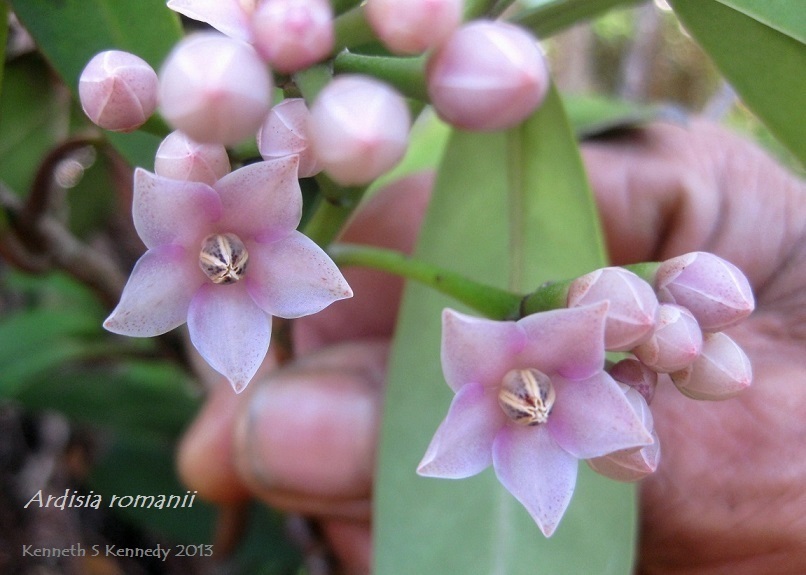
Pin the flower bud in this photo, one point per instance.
(487, 76)
(215, 89)
(180, 158)
(635, 463)
(118, 90)
(285, 132)
(633, 305)
(721, 371)
(293, 34)
(714, 290)
(675, 342)
(358, 128)
(413, 26)
(636, 375)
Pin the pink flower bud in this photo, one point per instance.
(118, 90)
(180, 158)
(285, 132)
(637, 462)
(359, 128)
(293, 34)
(487, 76)
(413, 26)
(721, 371)
(675, 342)
(633, 305)
(713, 289)
(635, 374)
(215, 89)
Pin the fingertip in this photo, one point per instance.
(205, 460)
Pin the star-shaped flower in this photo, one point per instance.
(224, 258)
(531, 399)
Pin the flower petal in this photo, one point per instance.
(593, 417)
(230, 332)
(158, 293)
(167, 211)
(293, 277)
(565, 341)
(226, 16)
(262, 200)
(476, 350)
(462, 445)
(537, 471)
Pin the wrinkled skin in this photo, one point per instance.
(729, 495)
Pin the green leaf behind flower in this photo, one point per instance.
(512, 209)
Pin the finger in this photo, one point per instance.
(670, 189)
(305, 441)
(205, 454)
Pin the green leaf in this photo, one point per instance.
(760, 51)
(33, 118)
(513, 210)
(70, 32)
(786, 16)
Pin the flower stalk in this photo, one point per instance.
(488, 300)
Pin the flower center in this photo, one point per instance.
(526, 396)
(223, 258)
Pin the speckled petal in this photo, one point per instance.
(158, 293)
(229, 331)
(226, 16)
(565, 341)
(537, 471)
(167, 211)
(293, 277)
(476, 350)
(462, 445)
(262, 201)
(593, 417)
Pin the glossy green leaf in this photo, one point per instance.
(552, 16)
(70, 32)
(761, 53)
(513, 210)
(786, 16)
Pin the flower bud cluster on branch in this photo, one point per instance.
(533, 395)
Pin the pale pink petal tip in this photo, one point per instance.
(229, 331)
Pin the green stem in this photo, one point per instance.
(406, 74)
(351, 29)
(488, 300)
(552, 17)
(336, 205)
(311, 81)
(645, 270)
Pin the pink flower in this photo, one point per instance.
(714, 290)
(531, 399)
(230, 17)
(118, 90)
(224, 258)
(181, 158)
(637, 462)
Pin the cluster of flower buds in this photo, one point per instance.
(673, 326)
(533, 396)
(217, 86)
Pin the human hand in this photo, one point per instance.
(728, 495)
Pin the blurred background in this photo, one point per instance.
(83, 411)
